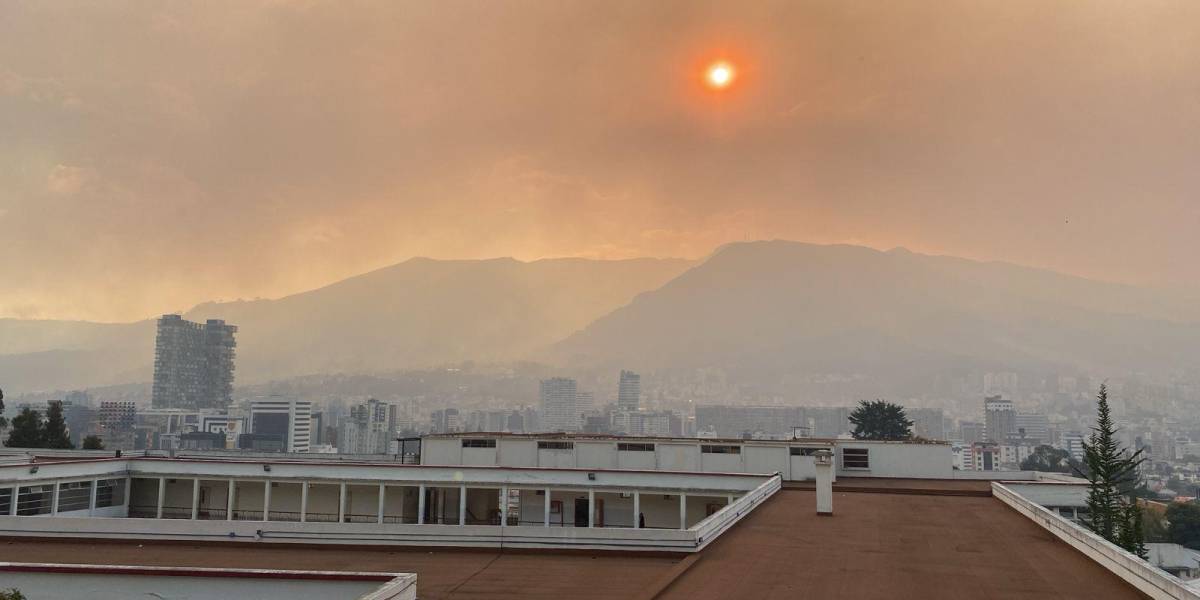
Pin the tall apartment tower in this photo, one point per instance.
(559, 396)
(629, 391)
(193, 364)
(287, 420)
(1000, 419)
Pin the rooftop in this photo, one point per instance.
(884, 541)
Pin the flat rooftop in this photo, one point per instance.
(879, 544)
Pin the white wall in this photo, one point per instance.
(893, 459)
(441, 451)
(646, 461)
(678, 457)
(517, 452)
(480, 457)
(596, 455)
(766, 459)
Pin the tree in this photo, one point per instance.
(1111, 472)
(55, 434)
(26, 430)
(3, 421)
(1183, 524)
(93, 442)
(1048, 459)
(880, 420)
(12, 594)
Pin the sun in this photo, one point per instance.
(719, 75)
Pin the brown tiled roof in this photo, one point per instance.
(877, 545)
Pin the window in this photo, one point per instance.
(6, 501)
(800, 451)
(476, 443)
(556, 445)
(110, 492)
(635, 447)
(74, 495)
(35, 500)
(712, 449)
(856, 458)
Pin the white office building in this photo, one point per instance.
(287, 419)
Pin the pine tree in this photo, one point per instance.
(1112, 476)
(26, 430)
(880, 420)
(55, 434)
(3, 421)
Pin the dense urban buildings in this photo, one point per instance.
(369, 429)
(193, 364)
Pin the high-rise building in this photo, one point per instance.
(585, 404)
(559, 396)
(999, 417)
(193, 364)
(285, 419)
(927, 423)
(629, 391)
(370, 428)
(1032, 428)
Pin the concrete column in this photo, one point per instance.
(729, 500)
(195, 498)
(462, 505)
(230, 496)
(682, 511)
(823, 461)
(591, 508)
(382, 495)
(92, 499)
(54, 500)
(504, 506)
(162, 491)
(546, 509)
(637, 510)
(421, 504)
(342, 504)
(12, 507)
(303, 501)
(267, 500)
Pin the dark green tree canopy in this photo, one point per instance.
(55, 434)
(26, 430)
(1048, 459)
(1184, 527)
(880, 420)
(93, 442)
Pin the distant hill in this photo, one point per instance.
(768, 310)
(418, 313)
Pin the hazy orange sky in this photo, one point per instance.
(153, 156)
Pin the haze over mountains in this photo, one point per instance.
(769, 310)
(418, 313)
(773, 310)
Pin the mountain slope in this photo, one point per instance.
(418, 313)
(777, 309)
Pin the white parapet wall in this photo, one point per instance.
(792, 459)
(1147, 578)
